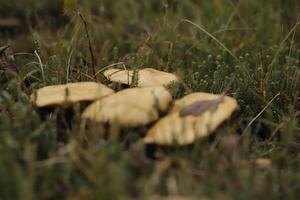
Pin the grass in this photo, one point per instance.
(253, 46)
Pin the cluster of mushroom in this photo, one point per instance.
(192, 117)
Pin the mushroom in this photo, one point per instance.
(263, 163)
(194, 116)
(64, 95)
(130, 107)
(142, 78)
(175, 197)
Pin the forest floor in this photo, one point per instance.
(250, 49)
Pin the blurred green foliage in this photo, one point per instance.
(48, 155)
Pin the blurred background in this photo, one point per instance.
(120, 21)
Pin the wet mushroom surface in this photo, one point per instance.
(146, 77)
(194, 116)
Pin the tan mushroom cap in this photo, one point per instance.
(130, 107)
(263, 162)
(63, 95)
(146, 77)
(177, 130)
(176, 197)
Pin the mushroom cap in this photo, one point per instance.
(263, 162)
(146, 77)
(177, 130)
(130, 107)
(64, 95)
(175, 197)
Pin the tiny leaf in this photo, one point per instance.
(199, 107)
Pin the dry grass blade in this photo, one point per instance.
(211, 36)
(41, 66)
(90, 45)
(281, 45)
(259, 114)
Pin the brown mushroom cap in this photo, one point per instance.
(63, 95)
(146, 77)
(130, 107)
(182, 130)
